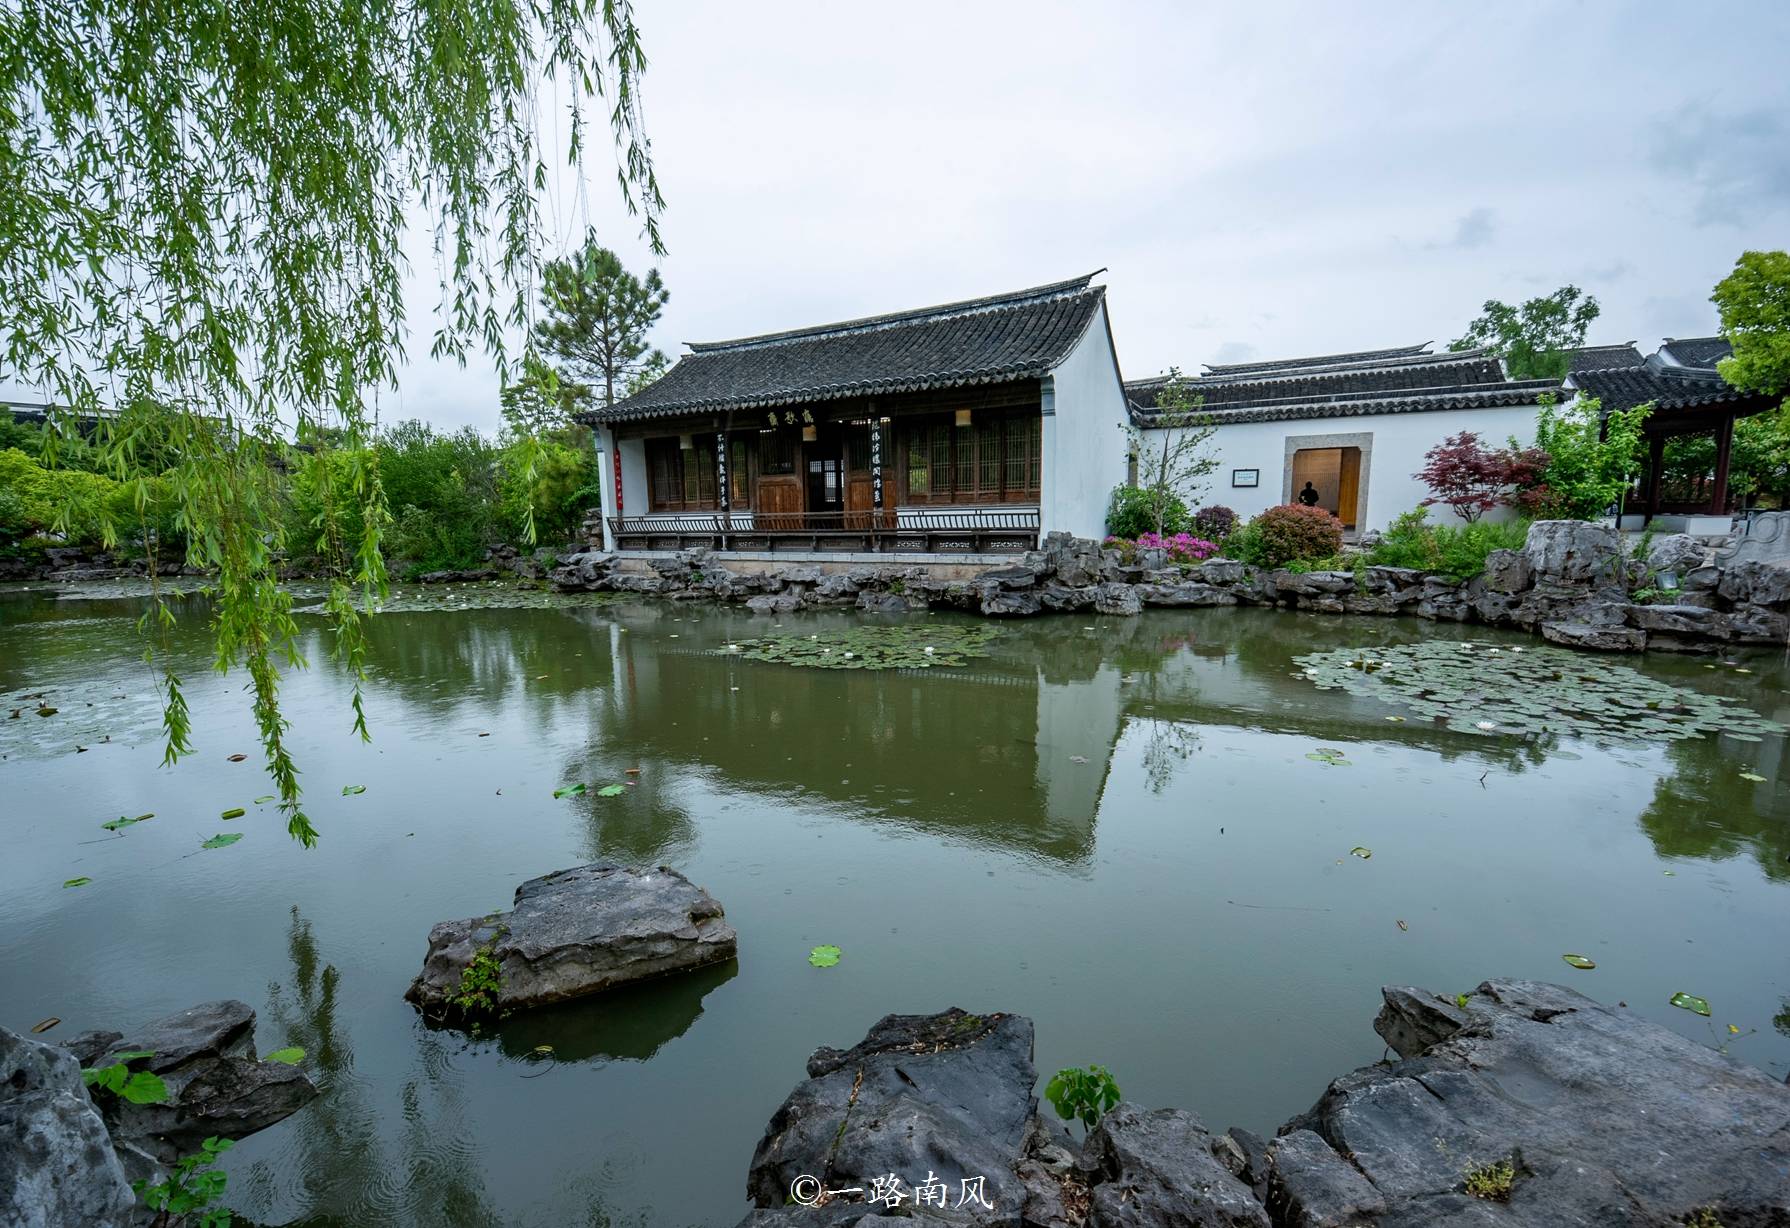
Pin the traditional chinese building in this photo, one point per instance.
(968, 427)
(1693, 411)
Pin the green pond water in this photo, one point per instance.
(1120, 827)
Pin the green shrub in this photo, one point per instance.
(1133, 512)
(1293, 531)
(1083, 1095)
(566, 484)
(1456, 551)
(80, 507)
(1214, 522)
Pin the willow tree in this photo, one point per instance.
(202, 211)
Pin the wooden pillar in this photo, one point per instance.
(1656, 465)
(1724, 448)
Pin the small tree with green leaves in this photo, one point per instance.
(596, 318)
(1591, 458)
(1173, 453)
(1534, 338)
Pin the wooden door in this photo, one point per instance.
(777, 503)
(1348, 489)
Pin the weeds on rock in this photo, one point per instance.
(1492, 1182)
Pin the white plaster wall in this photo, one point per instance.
(603, 443)
(634, 496)
(1084, 442)
(1399, 443)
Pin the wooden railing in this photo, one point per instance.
(920, 530)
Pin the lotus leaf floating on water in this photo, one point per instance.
(1484, 688)
(920, 646)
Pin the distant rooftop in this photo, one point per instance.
(1603, 357)
(1405, 379)
(1702, 352)
(998, 338)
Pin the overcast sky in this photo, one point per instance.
(1259, 180)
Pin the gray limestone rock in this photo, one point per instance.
(1155, 1167)
(205, 1055)
(1679, 620)
(579, 931)
(1508, 571)
(1600, 637)
(1184, 594)
(1310, 1186)
(1117, 599)
(1575, 552)
(1756, 583)
(948, 1095)
(1605, 1117)
(997, 602)
(57, 1166)
(1677, 553)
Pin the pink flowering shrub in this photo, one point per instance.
(1181, 547)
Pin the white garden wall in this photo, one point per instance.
(1084, 441)
(1392, 450)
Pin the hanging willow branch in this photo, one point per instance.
(202, 210)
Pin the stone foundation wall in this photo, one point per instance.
(1572, 583)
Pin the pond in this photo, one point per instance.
(1136, 831)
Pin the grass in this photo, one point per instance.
(1492, 1182)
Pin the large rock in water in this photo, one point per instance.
(57, 1166)
(578, 931)
(946, 1096)
(1604, 1117)
(205, 1055)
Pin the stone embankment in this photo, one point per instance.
(1526, 1105)
(1572, 583)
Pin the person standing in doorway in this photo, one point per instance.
(1309, 496)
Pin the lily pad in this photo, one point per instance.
(1580, 961)
(902, 646)
(1329, 756)
(612, 790)
(569, 790)
(222, 840)
(824, 956)
(120, 823)
(353, 790)
(77, 882)
(235, 812)
(292, 1055)
(1690, 1002)
(1543, 690)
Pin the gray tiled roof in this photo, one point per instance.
(1323, 360)
(1604, 357)
(987, 340)
(1666, 387)
(1405, 380)
(1698, 351)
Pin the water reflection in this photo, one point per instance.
(1707, 808)
(629, 1024)
(350, 1163)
